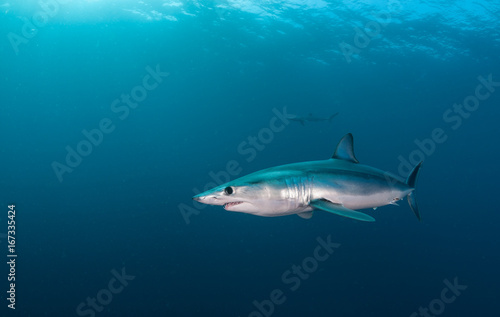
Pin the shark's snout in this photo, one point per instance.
(199, 197)
(210, 197)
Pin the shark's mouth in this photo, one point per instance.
(232, 204)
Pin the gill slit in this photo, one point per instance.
(299, 190)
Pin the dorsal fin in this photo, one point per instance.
(345, 149)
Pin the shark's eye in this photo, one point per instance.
(228, 190)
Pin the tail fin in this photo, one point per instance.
(332, 116)
(410, 181)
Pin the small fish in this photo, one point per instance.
(310, 118)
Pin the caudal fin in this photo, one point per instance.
(411, 181)
(332, 116)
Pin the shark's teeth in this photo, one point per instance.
(231, 204)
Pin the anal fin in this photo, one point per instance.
(305, 214)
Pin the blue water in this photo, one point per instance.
(222, 70)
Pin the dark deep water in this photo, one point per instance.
(398, 73)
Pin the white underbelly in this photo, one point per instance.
(277, 212)
(360, 202)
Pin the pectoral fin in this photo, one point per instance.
(306, 214)
(340, 210)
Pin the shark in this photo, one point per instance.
(310, 118)
(339, 185)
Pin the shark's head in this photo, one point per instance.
(253, 198)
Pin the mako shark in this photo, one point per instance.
(310, 118)
(339, 185)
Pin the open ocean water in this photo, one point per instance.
(115, 113)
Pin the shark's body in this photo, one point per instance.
(338, 185)
(310, 118)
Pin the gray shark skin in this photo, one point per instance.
(310, 118)
(339, 185)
